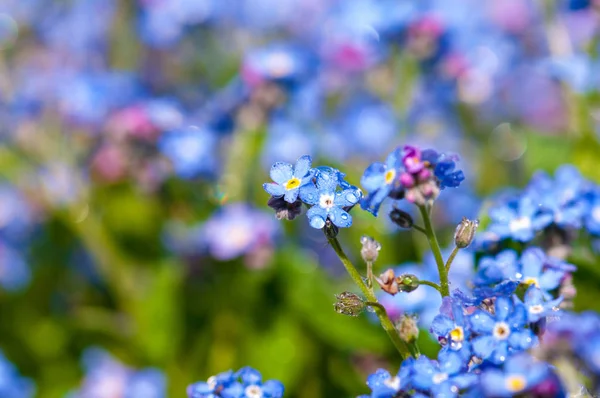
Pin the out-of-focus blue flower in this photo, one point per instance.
(162, 23)
(445, 377)
(245, 383)
(280, 63)
(236, 229)
(384, 385)
(380, 180)
(538, 307)
(81, 29)
(289, 180)
(12, 384)
(564, 197)
(532, 268)
(287, 140)
(592, 220)
(191, 150)
(106, 377)
(328, 202)
(502, 334)
(521, 373)
(15, 273)
(518, 219)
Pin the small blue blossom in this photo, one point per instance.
(538, 307)
(289, 180)
(444, 378)
(493, 270)
(518, 219)
(191, 150)
(534, 272)
(444, 168)
(380, 180)
(245, 383)
(454, 329)
(521, 373)
(384, 385)
(501, 334)
(328, 201)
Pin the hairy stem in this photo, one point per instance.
(451, 258)
(435, 248)
(386, 323)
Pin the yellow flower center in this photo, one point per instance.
(457, 334)
(515, 383)
(389, 176)
(291, 183)
(531, 281)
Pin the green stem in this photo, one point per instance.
(435, 248)
(420, 229)
(451, 258)
(386, 323)
(432, 284)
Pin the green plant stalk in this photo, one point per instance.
(432, 284)
(403, 348)
(451, 258)
(437, 253)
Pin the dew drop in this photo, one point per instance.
(344, 216)
(502, 358)
(351, 198)
(518, 275)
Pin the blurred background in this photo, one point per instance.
(137, 253)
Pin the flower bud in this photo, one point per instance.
(465, 232)
(407, 328)
(370, 249)
(387, 282)
(407, 283)
(283, 209)
(349, 304)
(401, 218)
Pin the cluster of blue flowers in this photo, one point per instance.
(544, 208)
(245, 383)
(323, 188)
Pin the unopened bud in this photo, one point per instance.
(387, 282)
(465, 232)
(401, 218)
(370, 249)
(407, 328)
(331, 231)
(349, 304)
(283, 209)
(407, 283)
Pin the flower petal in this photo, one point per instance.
(273, 389)
(281, 172)
(373, 177)
(504, 306)
(340, 217)
(483, 346)
(481, 322)
(274, 189)
(302, 166)
(442, 325)
(291, 195)
(309, 194)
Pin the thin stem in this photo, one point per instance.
(451, 258)
(435, 248)
(420, 229)
(370, 275)
(386, 323)
(432, 284)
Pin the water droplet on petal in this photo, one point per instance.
(344, 216)
(351, 198)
